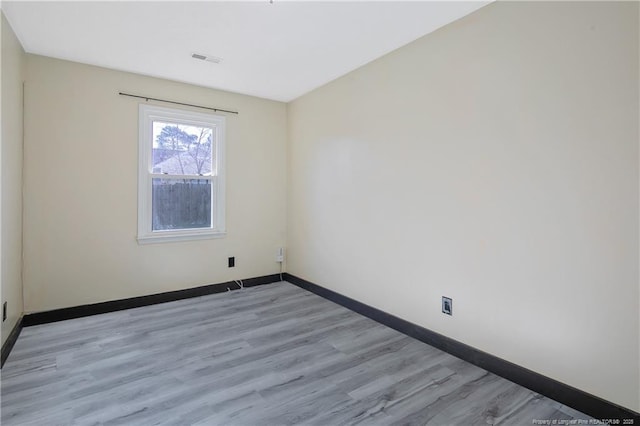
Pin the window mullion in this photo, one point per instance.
(179, 177)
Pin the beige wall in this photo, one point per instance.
(11, 269)
(80, 222)
(494, 161)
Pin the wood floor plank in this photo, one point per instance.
(266, 355)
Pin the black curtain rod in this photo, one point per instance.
(177, 103)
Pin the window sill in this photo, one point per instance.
(174, 237)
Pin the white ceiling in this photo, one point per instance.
(277, 51)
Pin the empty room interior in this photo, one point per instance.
(324, 213)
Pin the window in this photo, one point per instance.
(181, 175)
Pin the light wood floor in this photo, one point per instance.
(267, 355)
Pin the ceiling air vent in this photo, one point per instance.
(208, 58)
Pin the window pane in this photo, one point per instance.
(179, 149)
(181, 204)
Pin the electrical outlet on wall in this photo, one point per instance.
(232, 262)
(447, 305)
(280, 255)
(4, 311)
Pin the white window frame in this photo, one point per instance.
(147, 115)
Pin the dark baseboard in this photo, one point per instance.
(37, 318)
(565, 394)
(11, 340)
